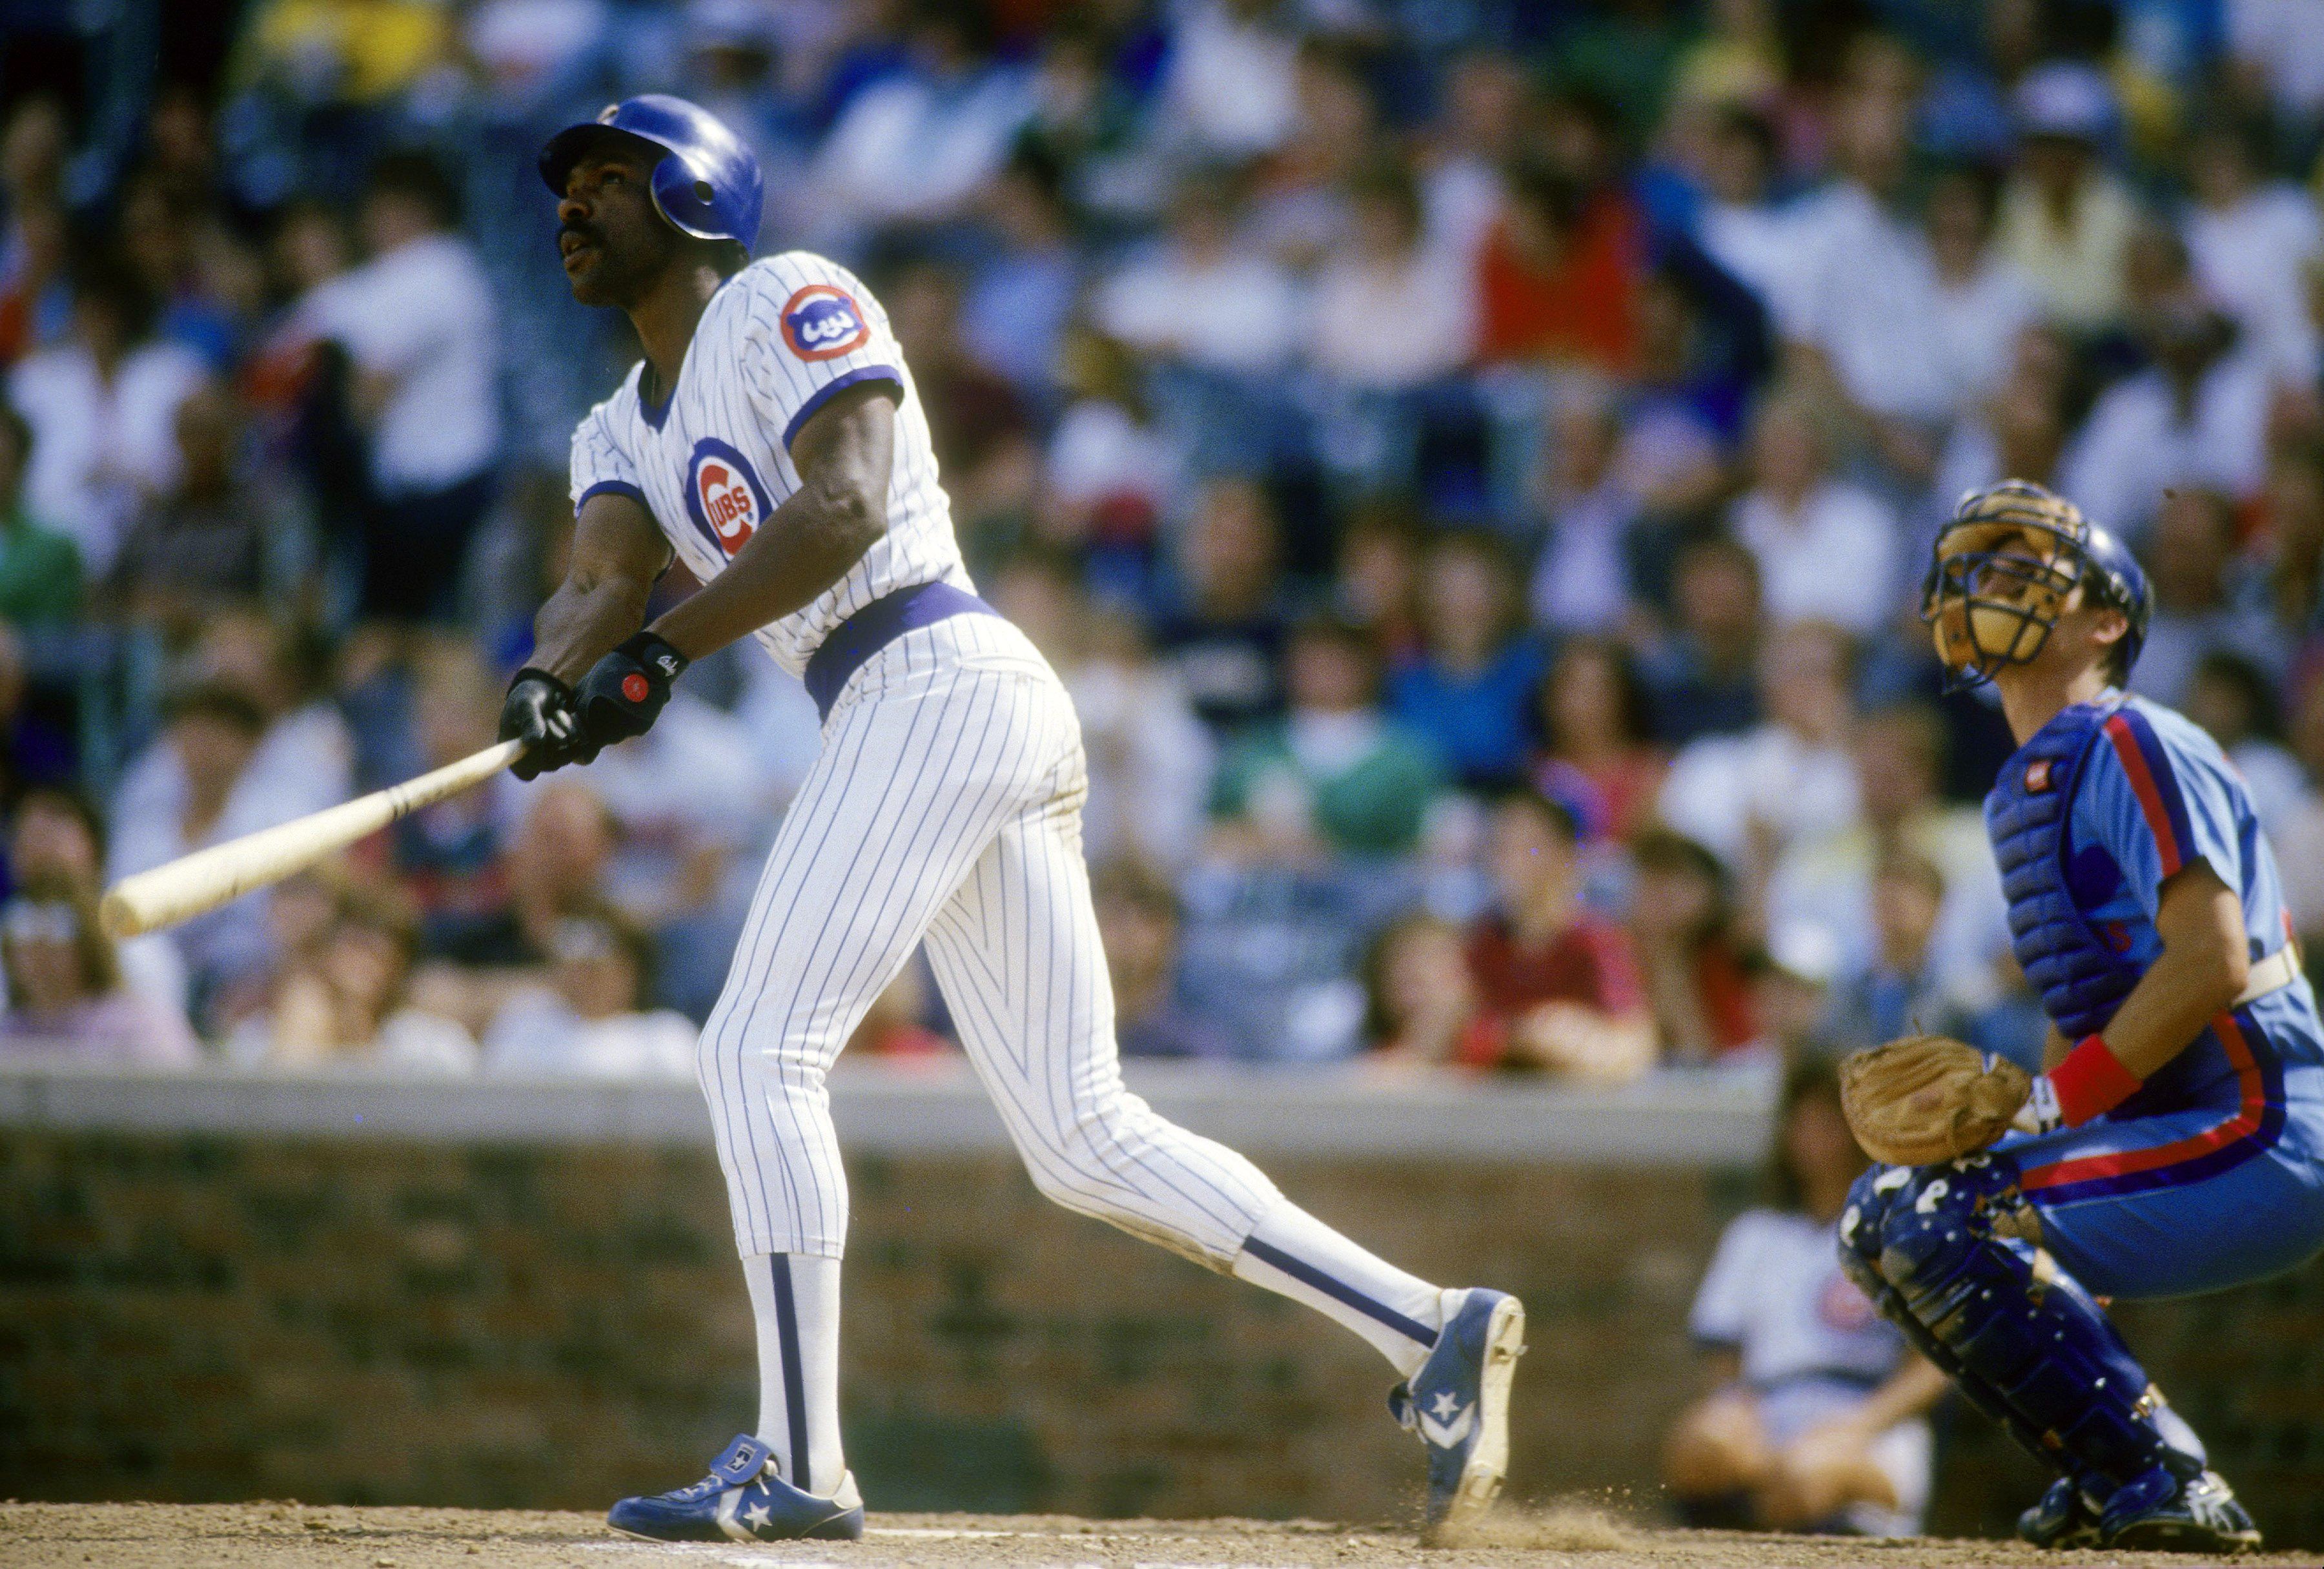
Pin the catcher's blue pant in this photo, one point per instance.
(2188, 1200)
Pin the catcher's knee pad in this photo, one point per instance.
(2012, 1321)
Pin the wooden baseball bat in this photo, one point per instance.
(208, 878)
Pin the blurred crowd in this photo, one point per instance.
(1469, 460)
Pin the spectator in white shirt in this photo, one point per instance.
(2066, 219)
(2251, 244)
(1229, 87)
(916, 145)
(1983, 300)
(1749, 797)
(67, 999)
(1867, 301)
(1203, 298)
(103, 406)
(1390, 312)
(418, 326)
(590, 1020)
(1758, 242)
(2197, 417)
(1580, 581)
(1826, 547)
(1480, 132)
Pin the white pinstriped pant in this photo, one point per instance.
(946, 803)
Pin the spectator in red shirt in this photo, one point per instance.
(1682, 916)
(1559, 987)
(1559, 276)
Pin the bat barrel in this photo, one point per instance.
(203, 881)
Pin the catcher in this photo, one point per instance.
(2175, 1141)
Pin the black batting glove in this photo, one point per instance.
(625, 692)
(539, 712)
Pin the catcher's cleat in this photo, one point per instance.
(742, 1500)
(1459, 1404)
(2062, 1518)
(2166, 1512)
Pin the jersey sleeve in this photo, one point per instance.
(599, 463)
(814, 329)
(1722, 1305)
(2158, 806)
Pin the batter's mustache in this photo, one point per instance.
(582, 231)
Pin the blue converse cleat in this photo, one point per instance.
(2062, 1518)
(1459, 1404)
(743, 1499)
(2165, 1512)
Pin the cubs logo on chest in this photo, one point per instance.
(723, 495)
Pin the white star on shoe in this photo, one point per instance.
(1446, 1405)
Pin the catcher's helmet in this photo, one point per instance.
(706, 181)
(2002, 569)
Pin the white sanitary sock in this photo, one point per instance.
(794, 1298)
(1297, 1256)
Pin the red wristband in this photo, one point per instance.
(2091, 1082)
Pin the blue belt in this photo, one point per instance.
(874, 627)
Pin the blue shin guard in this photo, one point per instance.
(1939, 1248)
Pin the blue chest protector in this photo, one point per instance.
(2081, 979)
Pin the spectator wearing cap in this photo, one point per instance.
(591, 1019)
(66, 998)
(1335, 777)
(2198, 416)
(416, 321)
(2065, 218)
(101, 405)
(1558, 985)
(1826, 547)
(1138, 917)
(39, 567)
(1469, 693)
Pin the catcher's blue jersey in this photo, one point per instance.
(2214, 1171)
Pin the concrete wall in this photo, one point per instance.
(526, 1295)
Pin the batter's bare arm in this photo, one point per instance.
(845, 454)
(617, 554)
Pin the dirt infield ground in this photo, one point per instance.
(270, 1534)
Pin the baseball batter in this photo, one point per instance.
(771, 438)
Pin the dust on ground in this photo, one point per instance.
(1575, 1536)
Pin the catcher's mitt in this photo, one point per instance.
(1925, 1098)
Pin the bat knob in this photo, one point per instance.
(114, 915)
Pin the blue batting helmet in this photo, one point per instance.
(706, 181)
(2002, 569)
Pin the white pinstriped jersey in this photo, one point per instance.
(714, 462)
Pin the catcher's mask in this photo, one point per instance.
(2003, 571)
